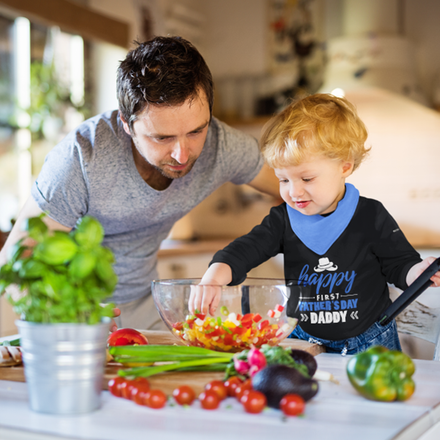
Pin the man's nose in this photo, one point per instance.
(180, 152)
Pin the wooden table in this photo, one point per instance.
(337, 412)
(169, 381)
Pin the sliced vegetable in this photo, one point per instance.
(231, 332)
(126, 336)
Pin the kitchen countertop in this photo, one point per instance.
(171, 380)
(336, 412)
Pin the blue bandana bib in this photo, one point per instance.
(318, 233)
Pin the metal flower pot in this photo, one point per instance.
(64, 365)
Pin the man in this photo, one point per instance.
(140, 169)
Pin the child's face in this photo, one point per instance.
(315, 186)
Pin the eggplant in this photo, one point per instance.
(305, 358)
(275, 381)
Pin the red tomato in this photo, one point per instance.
(231, 385)
(218, 387)
(292, 405)
(114, 385)
(241, 388)
(184, 395)
(126, 336)
(125, 388)
(253, 401)
(155, 399)
(139, 393)
(209, 399)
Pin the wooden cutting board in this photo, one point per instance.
(167, 382)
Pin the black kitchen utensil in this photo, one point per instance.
(410, 294)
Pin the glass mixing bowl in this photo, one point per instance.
(250, 314)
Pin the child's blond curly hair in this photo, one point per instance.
(317, 124)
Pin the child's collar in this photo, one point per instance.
(319, 232)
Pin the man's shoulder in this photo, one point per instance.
(106, 124)
(100, 132)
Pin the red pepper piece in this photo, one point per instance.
(228, 340)
(238, 330)
(178, 325)
(263, 324)
(200, 316)
(257, 317)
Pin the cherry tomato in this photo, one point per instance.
(114, 385)
(218, 387)
(231, 385)
(126, 336)
(292, 405)
(253, 401)
(241, 388)
(139, 393)
(155, 399)
(184, 395)
(127, 385)
(125, 388)
(209, 399)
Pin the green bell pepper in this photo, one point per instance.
(382, 374)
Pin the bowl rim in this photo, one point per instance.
(250, 281)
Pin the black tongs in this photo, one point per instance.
(410, 294)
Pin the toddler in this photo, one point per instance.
(341, 247)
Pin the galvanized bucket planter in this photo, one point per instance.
(64, 365)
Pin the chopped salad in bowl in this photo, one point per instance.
(249, 315)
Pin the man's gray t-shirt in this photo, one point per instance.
(92, 172)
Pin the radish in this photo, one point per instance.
(256, 359)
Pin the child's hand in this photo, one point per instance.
(417, 270)
(206, 296)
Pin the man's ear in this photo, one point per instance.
(125, 124)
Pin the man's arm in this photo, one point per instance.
(30, 209)
(267, 182)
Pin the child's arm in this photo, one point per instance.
(417, 270)
(206, 296)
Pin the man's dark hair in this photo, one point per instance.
(161, 71)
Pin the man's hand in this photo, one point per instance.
(419, 268)
(206, 296)
(113, 326)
